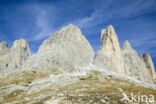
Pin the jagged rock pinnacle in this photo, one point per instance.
(21, 50)
(16, 56)
(108, 31)
(107, 35)
(66, 49)
(19, 44)
(3, 46)
(127, 44)
(135, 66)
(110, 51)
(69, 33)
(149, 63)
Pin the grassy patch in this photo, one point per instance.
(22, 76)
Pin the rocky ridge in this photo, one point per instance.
(110, 54)
(65, 51)
(68, 50)
(11, 59)
(66, 65)
(125, 60)
(134, 65)
(149, 63)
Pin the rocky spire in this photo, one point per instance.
(3, 46)
(67, 49)
(20, 51)
(68, 34)
(109, 39)
(22, 44)
(135, 67)
(149, 64)
(16, 56)
(127, 44)
(110, 48)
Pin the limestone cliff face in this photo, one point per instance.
(67, 50)
(135, 67)
(14, 57)
(109, 55)
(65, 70)
(126, 60)
(149, 64)
(3, 48)
(20, 51)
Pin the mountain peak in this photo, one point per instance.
(147, 54)
(19, 43)
(70, 28)
(66, 64)
(3, 45)
(71, 25)
(127, 44)
(21, 47)
(110, 51)
(68, 34)
(108, 36)
(108, 31)
(68, 48)
(149, 63)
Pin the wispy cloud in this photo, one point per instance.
(114, 13)
(42, 22)
(44, 19)
(117, 13)
(111, 11)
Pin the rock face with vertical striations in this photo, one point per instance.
(65, 67)
(126, 60)
(134, 65)
(67, 50)
(20, 51)
(109, 55)
(12, 58)
(149, 64)
(3, 48)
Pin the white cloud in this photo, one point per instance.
(42, 24)
(103, 13)
(139, 38)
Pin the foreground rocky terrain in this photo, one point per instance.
(65, 70)
(90, 87)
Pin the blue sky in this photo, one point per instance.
(36, 20)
